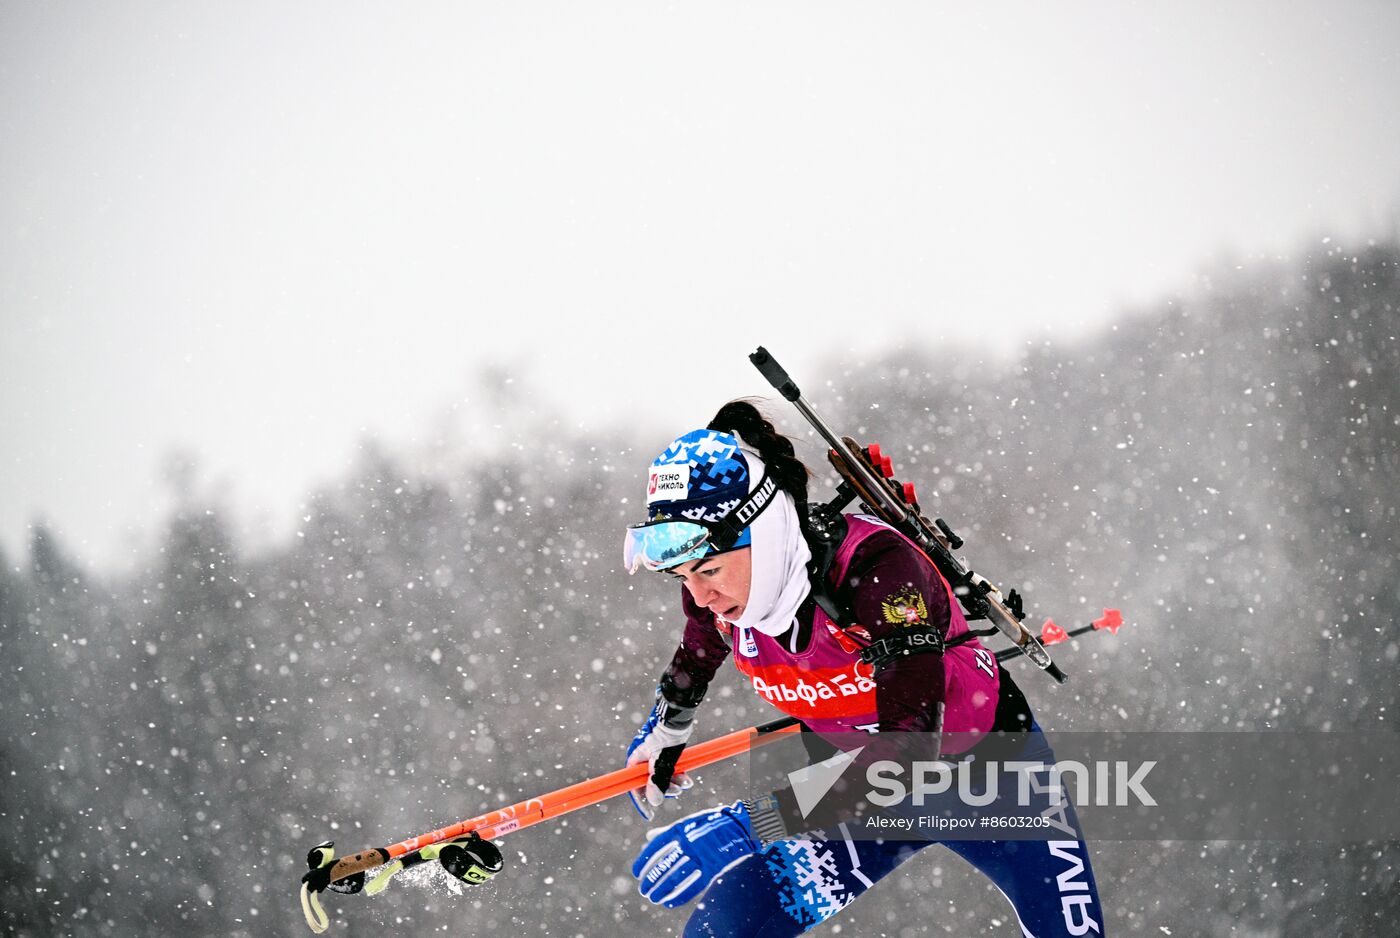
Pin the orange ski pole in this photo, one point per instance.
(534, 810)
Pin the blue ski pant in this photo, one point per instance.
(793, 885)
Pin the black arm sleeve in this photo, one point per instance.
(698, 657)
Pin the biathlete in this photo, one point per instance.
(727, 520)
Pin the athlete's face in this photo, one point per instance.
(719, 582)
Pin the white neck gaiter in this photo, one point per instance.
(780, 555)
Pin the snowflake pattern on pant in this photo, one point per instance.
(809, 884)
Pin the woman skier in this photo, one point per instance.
(727, 519)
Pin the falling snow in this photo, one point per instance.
(449, 635)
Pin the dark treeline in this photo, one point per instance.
(435, 643)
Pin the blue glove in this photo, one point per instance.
(679, 862)
(659, 743)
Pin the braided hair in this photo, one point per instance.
(744, 420)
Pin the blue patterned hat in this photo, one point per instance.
(702, 475)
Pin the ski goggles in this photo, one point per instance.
(667, 542)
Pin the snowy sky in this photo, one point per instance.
(259, 231)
